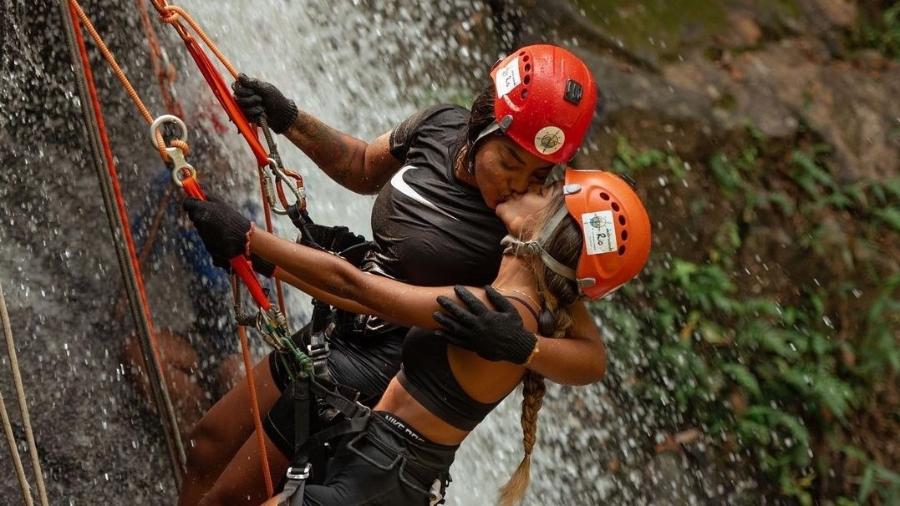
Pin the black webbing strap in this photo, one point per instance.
(298, 472)
(356, 416)
(318, 348)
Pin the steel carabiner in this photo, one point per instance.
(181, 169)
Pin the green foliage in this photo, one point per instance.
(882, 34)
(771, 375)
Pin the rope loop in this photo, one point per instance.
(182, 145)
(169, 15)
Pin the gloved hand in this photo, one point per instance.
(257, 97)
(262, 266)
(224, 231)
(493, 335)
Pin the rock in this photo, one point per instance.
(744, 32)
(840, 13)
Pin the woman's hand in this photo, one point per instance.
(224, 231)
(493, 334)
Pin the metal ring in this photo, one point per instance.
(167, 118)
(179, 178)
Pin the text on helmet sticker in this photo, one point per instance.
(507, 78)
(549, 140)
(599, 232)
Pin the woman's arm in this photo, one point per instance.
(338, 282)
(345, 304)
(353, 163)
(579, 358)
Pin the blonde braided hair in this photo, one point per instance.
(533, 387)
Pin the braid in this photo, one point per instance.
(533, 389)
(557, 294)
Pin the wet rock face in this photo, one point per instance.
(793, 82)
(774, 65)
(778, 65)
(61, 280)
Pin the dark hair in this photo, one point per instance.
(557, 294)
(481, 115)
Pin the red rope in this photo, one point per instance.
(240, 264)
(117, 190)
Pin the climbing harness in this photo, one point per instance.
(26, 418)
(343, 402)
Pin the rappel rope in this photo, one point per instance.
(118, 222)
(14, 454)
(269, 321)
(26, 418)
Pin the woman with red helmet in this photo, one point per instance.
(581, 238)
(439, 176)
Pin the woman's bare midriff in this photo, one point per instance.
(397, 401)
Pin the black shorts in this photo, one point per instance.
(364, 361)
(388, 463)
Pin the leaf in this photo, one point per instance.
(742, 376)
(775, 341)
(725, 172)
(890, 216)
(867, 484)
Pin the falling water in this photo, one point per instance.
(361, 67)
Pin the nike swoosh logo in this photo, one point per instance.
(401, 185)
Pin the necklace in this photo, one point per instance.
(529, 297)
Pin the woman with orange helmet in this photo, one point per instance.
(440, 175)
(581, 238)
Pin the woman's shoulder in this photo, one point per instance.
(440, 122)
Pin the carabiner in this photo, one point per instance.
(281, 180)
(181, 170)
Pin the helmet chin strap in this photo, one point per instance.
(491, 129)
(535, 247)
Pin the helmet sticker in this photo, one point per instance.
(549, 140)
(599, 232)
(507, 78)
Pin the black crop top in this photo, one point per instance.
(426, 375)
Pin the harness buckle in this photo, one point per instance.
(317, 350)
(295, 474)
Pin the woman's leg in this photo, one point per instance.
(222, 432)
(242, 481)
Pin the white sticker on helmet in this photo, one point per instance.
(599, 232)
(549, 140)
(507, 78)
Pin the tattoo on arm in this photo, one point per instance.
(341, 156)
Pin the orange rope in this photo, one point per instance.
(120, 204)
(254, 410)
(120, 75)
(171, 13)
(172, 17)
(164, 71)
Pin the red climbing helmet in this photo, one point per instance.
(616, 230)
(546, 98)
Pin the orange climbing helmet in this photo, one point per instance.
(545, 100)
(615, 229)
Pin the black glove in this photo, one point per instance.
(493, 335)
(262, 266)
(257, 97)
(223, 230)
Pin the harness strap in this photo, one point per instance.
(356, 419)
(536, 247)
